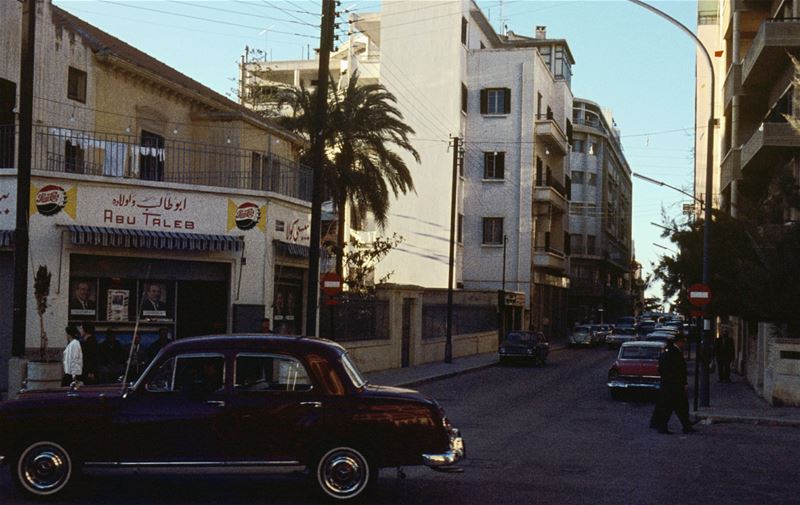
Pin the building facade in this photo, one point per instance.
(600, 218)
(155, 201)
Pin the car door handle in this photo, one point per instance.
(316, 405)
(216, 403)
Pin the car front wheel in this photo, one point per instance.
(344, 473)
(43, 469)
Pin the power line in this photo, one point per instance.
(249, 14)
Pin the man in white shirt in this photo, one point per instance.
(73, 357)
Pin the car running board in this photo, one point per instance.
(448, 469)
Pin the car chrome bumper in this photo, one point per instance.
(446, 461)
(638, 385)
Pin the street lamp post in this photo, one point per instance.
(704, 377)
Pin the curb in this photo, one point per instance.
(755, 420)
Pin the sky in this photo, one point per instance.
(627, 59)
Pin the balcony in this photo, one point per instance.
(549, 258)
(767, 58)
(550, 190)
(733, 83)
(550, 133)
(126, 158)
(731, 168)
(768, 143)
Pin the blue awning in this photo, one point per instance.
(292, 250)
(6, 238)
(149, 239)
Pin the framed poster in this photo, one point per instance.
(83, 299)
(154, 301)
(117, 304)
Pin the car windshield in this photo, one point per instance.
(353, 372)
(519, 338)
(640, 352)
(581, 329)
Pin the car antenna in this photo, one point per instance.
(135, 339)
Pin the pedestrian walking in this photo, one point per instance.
(112, 359)
(91, 354)
(672, 393)
(73, 357)
(724, 353)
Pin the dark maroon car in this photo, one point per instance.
(231, 401)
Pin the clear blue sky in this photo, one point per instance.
(627, 59)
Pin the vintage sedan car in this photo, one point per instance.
(531, 346)
(581, 336)
(619, 336)
(265, 401)
(636, 368)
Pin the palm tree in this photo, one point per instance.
(360, 167)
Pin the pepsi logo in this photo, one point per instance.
(247, 216)
(50, 200)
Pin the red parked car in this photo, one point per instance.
(231, 401)
(636, 368)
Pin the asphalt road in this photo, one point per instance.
(548, 435)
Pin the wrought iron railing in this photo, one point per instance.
(155, 158)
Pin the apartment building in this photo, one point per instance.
(600, 217)
(144, 181)
(507, 97)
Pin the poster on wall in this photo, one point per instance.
(154, 301)
(117, 304)
(83, 299)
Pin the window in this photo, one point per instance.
(464, 31)
(151, 159)
(593, 148)
(576, 241)
(198, 373)
(591, 180)
(493, 230)
(483, 46)
(495, 101)
(590, 244)
(577, 146)
(563, 67)
(577, 177)
(460, 229)
(538, 171)
(73, 158)
(76, 85)
(261, 372)
(280, 225)
(538, 104)
(463, 98)
(494, 164)
(545, 53)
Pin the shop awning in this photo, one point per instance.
(6, 238)
(148, 239)
(292, 250)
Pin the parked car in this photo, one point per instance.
(645, 327)
(620, 336)
(580, 336)
(252, 401)
(529, 346)
(665, 336)
(636, 368)
(625, 323)
(599, 333)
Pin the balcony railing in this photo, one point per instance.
(549, 180)
(766, 56)
(125, 157)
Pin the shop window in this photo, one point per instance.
(495, 101)
(494, 164)
(76, 85)
(73, 158)
(270, 373)
(151, 157)
(493, 230)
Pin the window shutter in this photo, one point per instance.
(500, 166)
(506, 100)
(484, 101)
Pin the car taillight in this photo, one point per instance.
(613, 373)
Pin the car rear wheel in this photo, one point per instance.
(343, 473)
(43, 469)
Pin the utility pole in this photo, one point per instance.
(23, 178)
(448, 345)
(317, 160)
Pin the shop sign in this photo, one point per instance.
(51, 199)
(298, 232)
(8, 205)
(246, 216)
(514, 299)
(142, 210)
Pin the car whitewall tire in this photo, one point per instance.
(343, 473)
(43, 468)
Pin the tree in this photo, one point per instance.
(361, 260)
(361, 168)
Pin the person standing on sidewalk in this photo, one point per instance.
(73, 357)
(725, 353)
(672, 394)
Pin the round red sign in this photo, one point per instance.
(699, 295)
(331, 283)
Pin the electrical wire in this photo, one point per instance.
(249, 14)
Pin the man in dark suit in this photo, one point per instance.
(81, 306)
(672, 394)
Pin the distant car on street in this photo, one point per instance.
(530, 346)
(599, 333)
(645, 328)
(230, 401)
(581, 336)
(636, 368)
(620, 336)
(625, 323)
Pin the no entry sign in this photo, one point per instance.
(331, 284)
(699, 295)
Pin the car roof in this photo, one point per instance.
(255, 341)
(641, 343)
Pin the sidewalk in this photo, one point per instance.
(732, 402)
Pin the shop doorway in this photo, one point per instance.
(8, 101)
(202, 308)
(287, 305)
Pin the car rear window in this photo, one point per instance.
(640, 352)
(519, 338)
(353, 372)
(264, 372)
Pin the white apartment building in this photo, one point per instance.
(508, 99)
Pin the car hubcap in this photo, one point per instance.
(343, 473)
(44, 468)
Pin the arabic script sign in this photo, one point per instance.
(165, 211)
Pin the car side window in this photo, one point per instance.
(181, 373)
(264, 372)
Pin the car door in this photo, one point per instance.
(276, 413)
(177, 413)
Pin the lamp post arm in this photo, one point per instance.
(664, 184)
